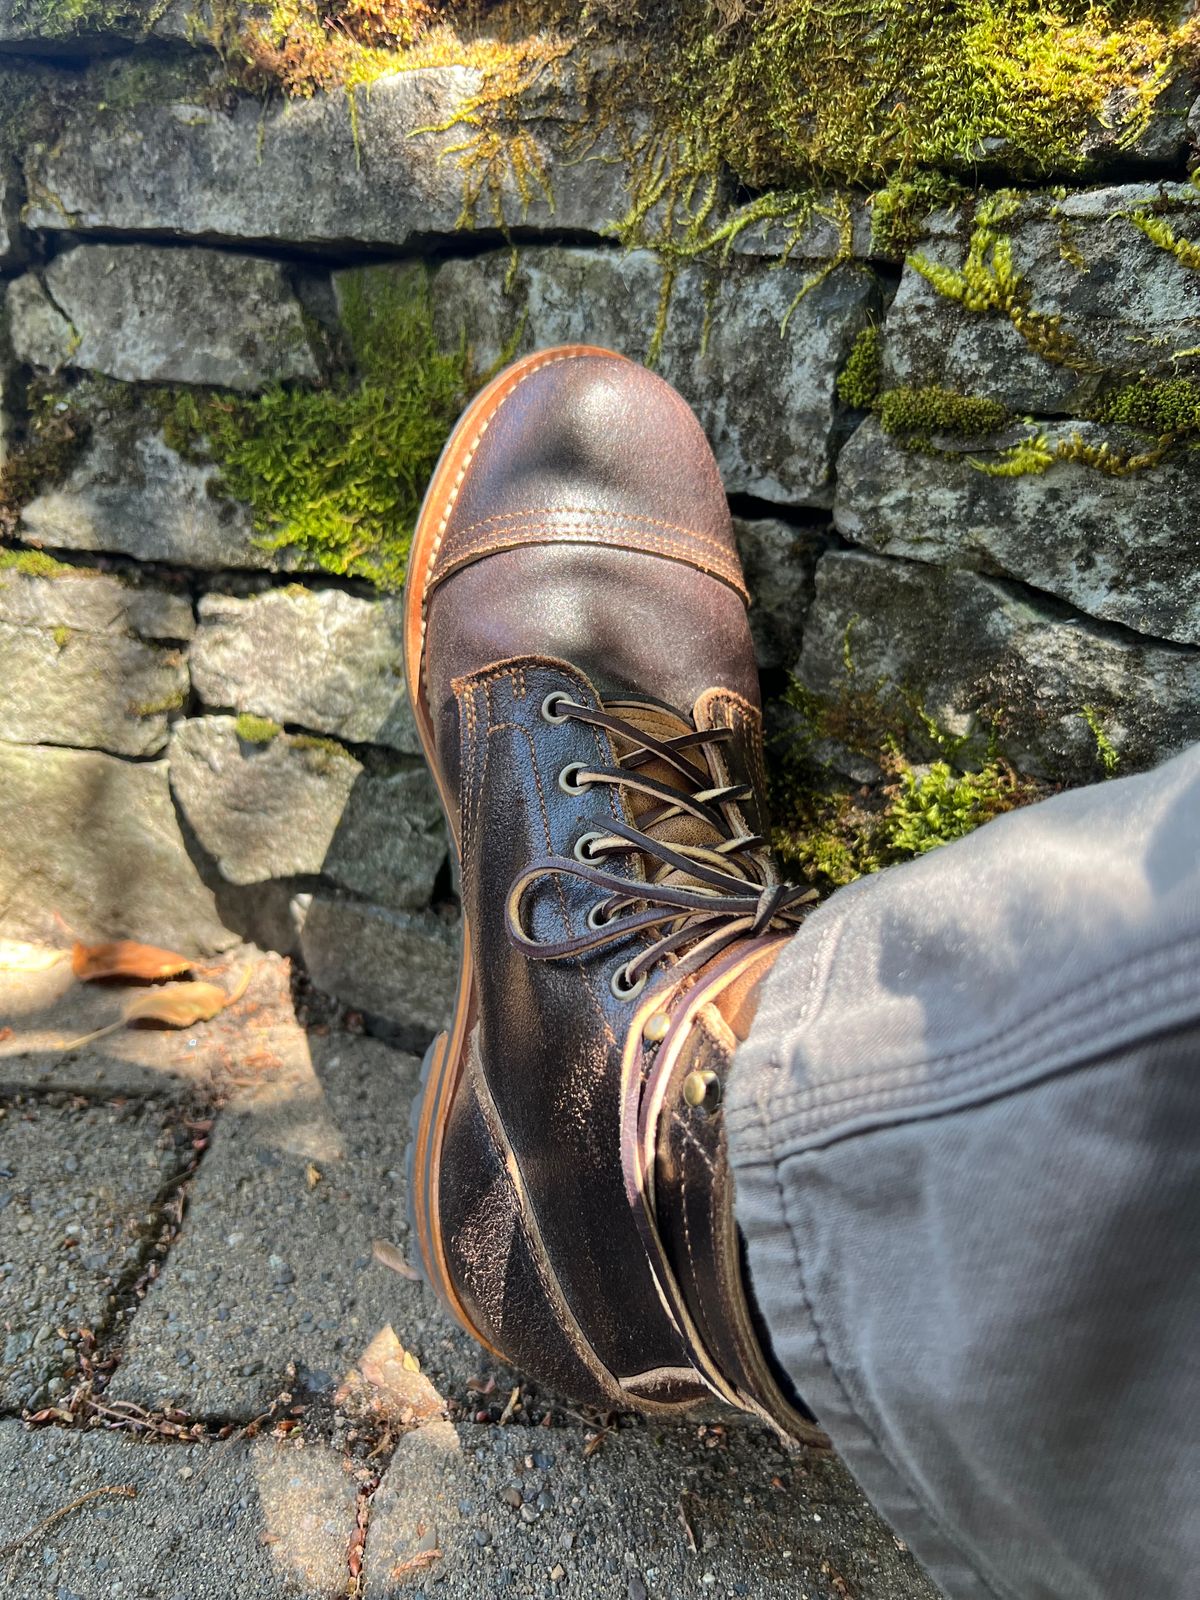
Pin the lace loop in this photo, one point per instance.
(721, 891)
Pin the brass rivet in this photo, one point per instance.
(702, 1089)
(657, 1028)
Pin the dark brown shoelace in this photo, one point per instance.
(721, 891)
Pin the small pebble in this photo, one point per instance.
(637, 1589)
(511, 1497)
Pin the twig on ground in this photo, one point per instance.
(126, 1491)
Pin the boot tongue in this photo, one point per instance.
(679, 829)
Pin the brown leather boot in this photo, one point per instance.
(583, 680)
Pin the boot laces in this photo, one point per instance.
(703, 895)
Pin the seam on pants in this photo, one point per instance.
(992, 1586)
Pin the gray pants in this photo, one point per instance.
(965, 1131)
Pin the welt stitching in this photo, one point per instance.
(1008, 1039)
(596, 514)
(462, 554)
(874, 1436)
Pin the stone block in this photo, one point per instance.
(94, 840)
(83, 662)
(761, 380)
(79, 1190)
(325, 171)
(311, 658)
(528, 1511)
(779, 561)
(400, 967)
(1122, 548)
(152, 314)
(276, 1264)
(1125, 303)
(266, 1517)
(131, 494)
(978, 653)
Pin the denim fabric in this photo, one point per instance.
(965, 1132)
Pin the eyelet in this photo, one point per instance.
(548, 704)
(566, 779)
(582, 851)
(595, 920)
(622, 988)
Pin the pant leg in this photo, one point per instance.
(965, 1133)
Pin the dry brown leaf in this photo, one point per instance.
(179, 1006)
(416, 1562)
(388, 1382)
(125, 958)
(388, 1256)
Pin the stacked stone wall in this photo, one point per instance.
(203, 731)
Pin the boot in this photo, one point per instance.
(584, 685)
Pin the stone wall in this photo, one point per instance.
(203, 729)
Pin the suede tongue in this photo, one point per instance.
(681, 828)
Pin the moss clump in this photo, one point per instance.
(37, 564)
(256, 730)
(1157, 406)
(174, 701)
(60, 634)
(928, 792)
(858, 381)
(915, 414)
(1037, 454)
(338, 473)
(1159, 231)
(69, 19)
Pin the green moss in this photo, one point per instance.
(938, 805)
(1037, 454)
(37, 564)
(858, 381)
(68, 19)
(155, 708)
(322, 754)
(60, 634)
(256, 730)
(1157, 406)
(915, 414)
(338, 473)
(1106, 752)
(1160, 232)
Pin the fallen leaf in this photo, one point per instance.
(422, 1558)
(388, 1256)
(125, 958)
(179, 1006)
(313, 1174)
(388, 1381)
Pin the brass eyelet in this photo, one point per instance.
(702, 1090)
(583, 844)
(566, 779)
(621, 986)
(549, 714)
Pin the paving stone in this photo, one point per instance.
(764, 1523)
(267, 1518)
(312, 658)
(325, 170)
(274, 1263)
(84, 662)
(94, 840)
(132, 494)
(1124, 548)
(779, 561)
(764, 394)
(979, 653)
(253, 1042)
(152, 314)
(1127, 304)
(398, 966)
(78, 1195)
(262, 811)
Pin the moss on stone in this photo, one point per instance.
(915, 414)
(60, 634)
(832, 830)
(37, 564)
(1157, 406)
(55, 431)
(1106, 752)
(858, 381)
(174, 701)
(337, 473)
(256, 730)
(1159, 231)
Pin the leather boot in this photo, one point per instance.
(582, 677)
